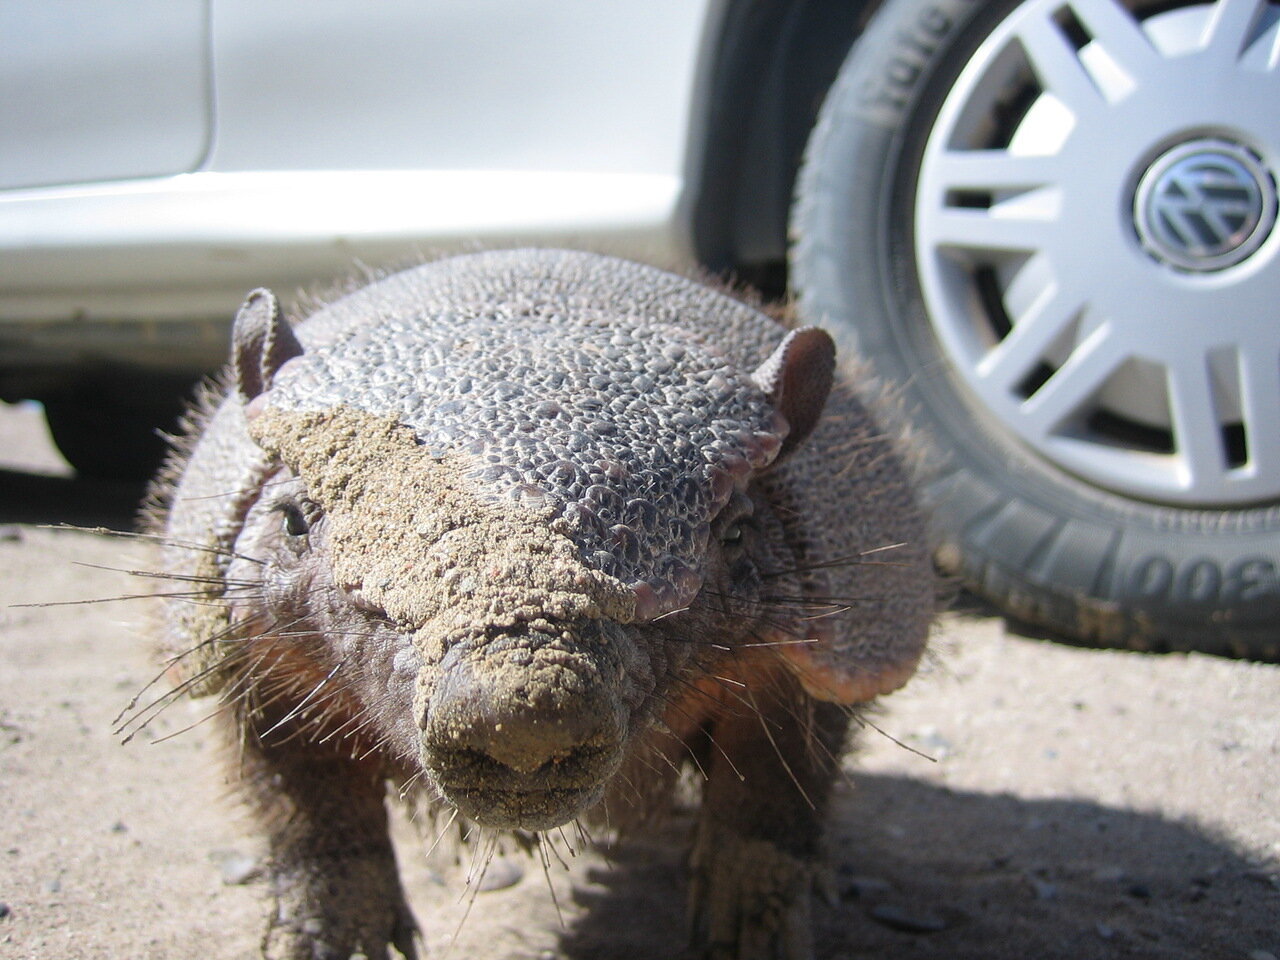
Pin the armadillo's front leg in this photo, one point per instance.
(759, 835)
(333, 875)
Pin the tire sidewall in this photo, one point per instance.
(1048, 546)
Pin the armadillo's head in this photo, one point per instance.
(502, 504)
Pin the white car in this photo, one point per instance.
(1048, 225)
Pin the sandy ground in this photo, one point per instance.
(1076, 803)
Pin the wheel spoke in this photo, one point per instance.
(1197, 434)
(1012, 360)
(1234, 26)
(1260, 389)
(966, 229)
(1057, 65)
(992, 170)
(1119, 34)
(1074, 384)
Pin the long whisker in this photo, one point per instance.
(160, 574)
(714, 743)
(848, 560)
(191, 726)
(546, 873)
(453, 816)
(565, 840)
(817, 683)
(153, 538)
(179, 595)
(781, 759)
(303, 702)
(173, 661)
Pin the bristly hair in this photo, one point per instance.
(158, 498)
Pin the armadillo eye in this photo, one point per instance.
(732, 523)
(295, 522)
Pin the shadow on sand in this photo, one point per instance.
(993, 877)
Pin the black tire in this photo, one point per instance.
(1048, 547)
(113, 428)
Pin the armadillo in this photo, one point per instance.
(522, 528)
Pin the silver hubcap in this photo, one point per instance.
(1205, 205)
(1095, 233)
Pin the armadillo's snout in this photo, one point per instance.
(522, 735)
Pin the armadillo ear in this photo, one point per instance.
(797, 378)
(261, 342)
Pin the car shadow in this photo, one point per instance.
(923, 871)
(35, 498)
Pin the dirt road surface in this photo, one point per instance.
(1074, 803)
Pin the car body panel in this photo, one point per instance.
(471, 122)
(100, 91)
(571, 85)
(190, 246)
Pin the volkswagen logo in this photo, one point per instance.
(1204, 205)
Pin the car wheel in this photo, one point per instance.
(1050, 228)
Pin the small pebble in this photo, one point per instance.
(4, 910)
(1261, 955)
(236, 868)
(501, 873)
(1104, 931)
(10, 533)
(896, 918)
(239, 871)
